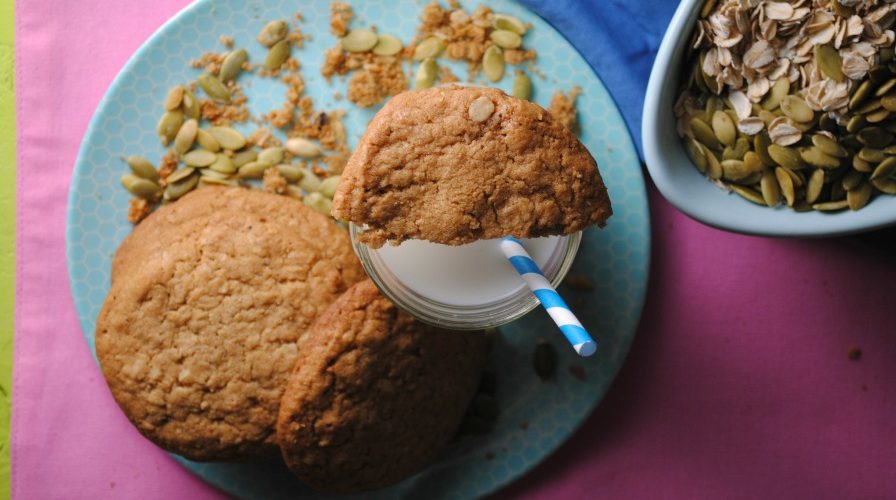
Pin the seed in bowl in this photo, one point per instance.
(793, 103)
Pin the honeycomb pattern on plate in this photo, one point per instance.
(615, 259)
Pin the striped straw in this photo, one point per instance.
(558, 310)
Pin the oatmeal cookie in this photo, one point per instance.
(456, 164)
(377, 394)
(199, 332)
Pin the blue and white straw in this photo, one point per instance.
(558, 310)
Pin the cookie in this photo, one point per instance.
(199, 332)
(376, 395)
(457, 164)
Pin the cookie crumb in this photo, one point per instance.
(563, 107)
(226, 41)
(854, 353)
(274, 182)
(380, 78)
(138, 210)
(340, 16)
(578, 372)
(167, 166)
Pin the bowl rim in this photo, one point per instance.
(783, 222)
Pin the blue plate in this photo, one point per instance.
(536, 417)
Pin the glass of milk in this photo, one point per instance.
(466, 287)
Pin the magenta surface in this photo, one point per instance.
(737, 386)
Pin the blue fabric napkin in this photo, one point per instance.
(619, 39)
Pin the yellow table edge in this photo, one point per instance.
(7, 232)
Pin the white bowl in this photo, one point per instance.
(679, 181)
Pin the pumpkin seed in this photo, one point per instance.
(856, 123)
(207, 173)
(243, 157)
(359, 40)
(868, 107)
(253, 170)
(724, 128)
(885, 87)
(864, 91)
(851, 180)
(177, 189)
(760, 144)
(522, 86)
(779, 90)
(837, 192)
(771, 193)
(303, 148)
(387, 45)
(875, 137)
(191, 104)
(510, 23)
(889, 102)
(174, 98)
(318, 203)
(815, 185)
(185, 137)
(729, 153)
(430, 47)
(228, 137)
(277, 55)
(748, 194)
(199, 158)
(861, 165)
(786, 184)
(169, 124)
(826, 123)
(734, 170)
(328, 186)
(208, 181)
(815, 157)
(752, 162)
(829, 62)
(796, 177)
(223, 164)
(850, 141)
(309, 182)
(493, 63)
(233, 64)
(704, 133)
(829, 146)
(858, 197)
(180, 174)
(544, 360)
(480, 109)
(713, 167)
(140, 187)
(878, 116)
(785, 156)
(695, 153)
(767, 117)
(207, 141)
(272, 155)
(142, 168)
(885, 185)
(830, 206)
(292, 173)
(272, 33)
(506, 39)
(886, 168)
(871, 155)
(213, 87)
(885, 54)
(425, 77)
(797, 109)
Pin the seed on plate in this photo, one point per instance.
(796, 108)
(493, 63)
(851, 180)
(858, 197)
(786, 184)
(425, 77)
(829, 62)
(815, 185)
(272, 33)
(886, 168)
(387, 45)
(830, 206)
(140, 187)
(318, 203)
(277, 55)
(359, 40)
(748, 194)
(241, 158)
(175, 190)
(510, 23)
(180, 174)
(815, 157)
(207, 141)
(253, 170)
(723, 128)
(303, 148)
(169, 124)
(430, 47)
(506, 39)
(174, 98)
(228, 137)
(191, 104)
(222, 164)
(292, 173)
(199, 158)
(272, 155)
(213, 87)
(771, 193)
(544, 360)
(185, 137)
(522, 86)
(328, 186)
(207, 181)
(233, 64)
(695, 153)
(703, 133)
(142, 168)
(309, 182)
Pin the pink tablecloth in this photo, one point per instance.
(738, 384)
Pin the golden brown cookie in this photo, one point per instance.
(376, 395)
(457, 164)
(199, 332)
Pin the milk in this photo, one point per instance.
(466, 275)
